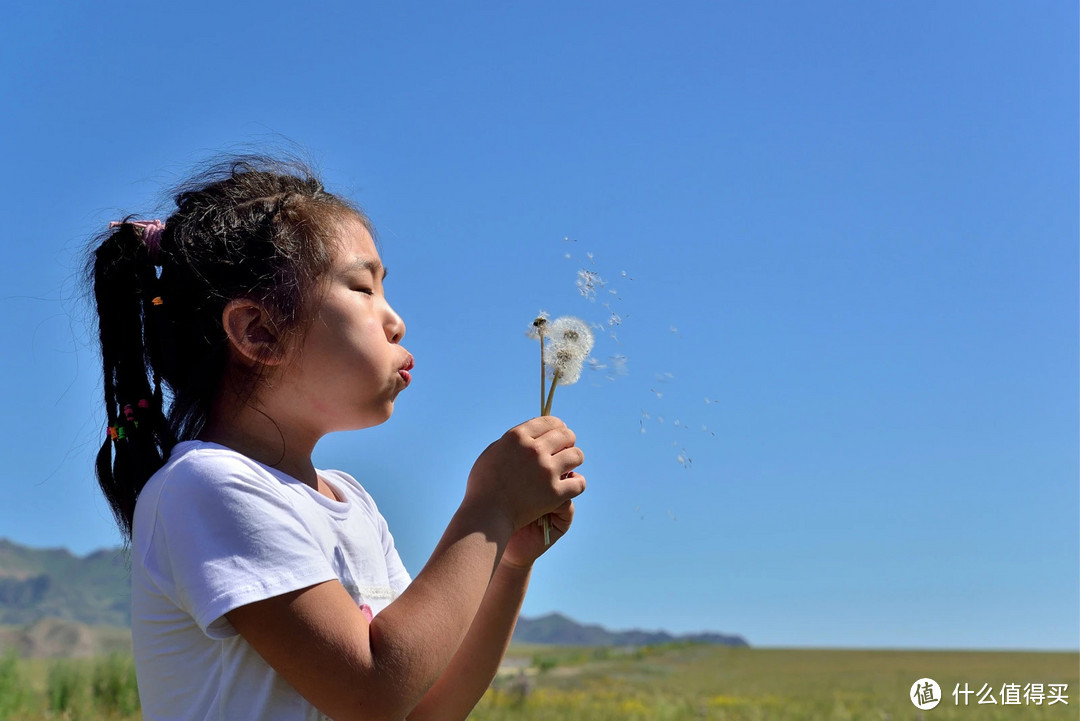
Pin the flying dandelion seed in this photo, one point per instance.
(659, 419)
(566, 255)
(594, 364)
(642, 424)
(676, 422)
(590, 257)
(658, 393)
(645, 414)
(618, 363)
(622, 274)
(587, 283)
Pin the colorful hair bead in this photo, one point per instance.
(156, 300)
(129, 412)
(143, 403)
(113, 433)
(121, 434)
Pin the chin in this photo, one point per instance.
(373, 418)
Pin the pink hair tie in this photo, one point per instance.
(151, 236)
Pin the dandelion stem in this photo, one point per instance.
(542, 393)
(551, 394)
(545, 410)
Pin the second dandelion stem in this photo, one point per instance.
(545, 410)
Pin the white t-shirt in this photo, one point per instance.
(215, 530)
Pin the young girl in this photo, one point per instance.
(262, 587)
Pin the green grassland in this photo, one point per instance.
(656, 683)
(684, 681)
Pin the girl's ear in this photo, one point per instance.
(251, 332)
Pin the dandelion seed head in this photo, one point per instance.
(570, 331)
(539, 325)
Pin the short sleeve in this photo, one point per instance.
(232, 537)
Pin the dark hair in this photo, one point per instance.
(249, 227)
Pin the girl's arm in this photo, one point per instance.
(474, 665)
(318, 639)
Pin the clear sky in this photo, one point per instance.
(849, 233)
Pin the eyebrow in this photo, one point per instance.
(362, 264)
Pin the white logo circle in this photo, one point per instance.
(925, 693)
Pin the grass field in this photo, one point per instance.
(659, 683)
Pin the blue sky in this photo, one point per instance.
(849, 232)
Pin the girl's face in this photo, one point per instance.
(350, 366)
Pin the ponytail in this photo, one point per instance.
(249, 227)
(137, 440)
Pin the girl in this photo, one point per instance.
(262, 587)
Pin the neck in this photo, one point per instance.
(264, 434)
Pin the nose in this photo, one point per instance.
(395, 326)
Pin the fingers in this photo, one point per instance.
(570, 485)
(562, 517)
(536, 427)
(566, 460)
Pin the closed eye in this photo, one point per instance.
(367, 291)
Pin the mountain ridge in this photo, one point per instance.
(69, 593)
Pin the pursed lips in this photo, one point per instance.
(405, 368)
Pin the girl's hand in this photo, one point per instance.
(527, 473)
(527, 543)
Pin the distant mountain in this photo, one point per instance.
(556, 629)
(53, 583)
(94, 590)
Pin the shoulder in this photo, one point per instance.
(196, 467)
(205, 478)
